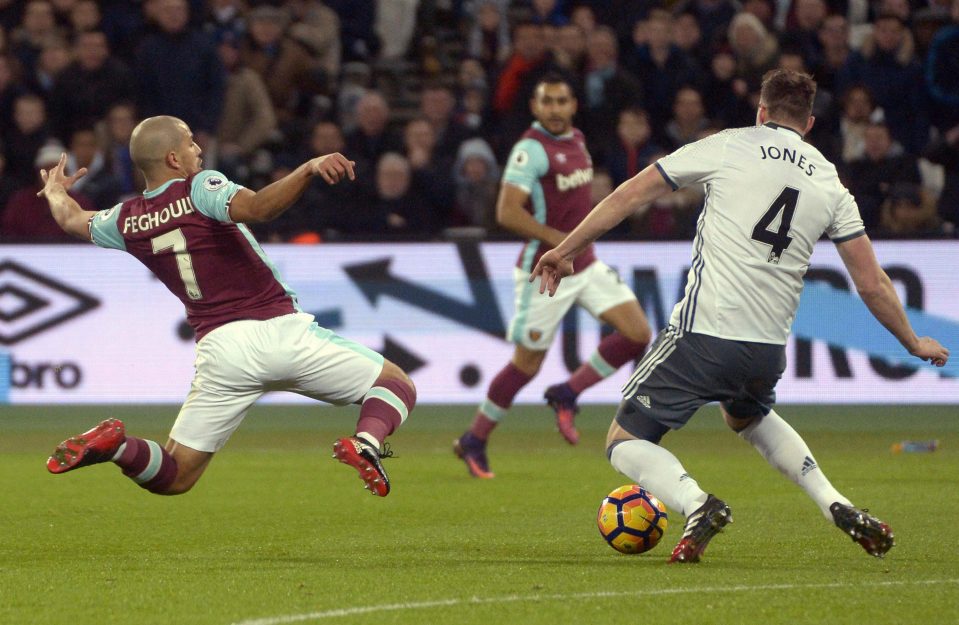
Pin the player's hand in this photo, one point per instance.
(931, 350)
(332, 167)
(56, 179)
(550, 269)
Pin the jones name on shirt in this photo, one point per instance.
(787, 155)
(148, 221)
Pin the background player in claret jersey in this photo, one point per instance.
(770, 196)
(252, 337)
(545, 194)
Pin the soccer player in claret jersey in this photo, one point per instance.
(770, 196)
(545, 194)
(252, 337)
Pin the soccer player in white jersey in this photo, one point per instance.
(769, 197)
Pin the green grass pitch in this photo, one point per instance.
(277, 532)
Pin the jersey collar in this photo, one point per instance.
(538, 126)
(776, 126)
(152, 193)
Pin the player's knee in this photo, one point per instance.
(640, 333)
(738, 424)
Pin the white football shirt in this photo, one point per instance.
(769, 197)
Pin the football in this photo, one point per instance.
(631, 519)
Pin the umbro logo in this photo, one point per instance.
(31, 303)
(808, 465)
(643, 399)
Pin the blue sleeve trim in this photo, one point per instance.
(666, 176)
(850, 237)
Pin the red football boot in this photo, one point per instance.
(92, 447)
(366, 460)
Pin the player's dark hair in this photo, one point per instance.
(554, 78)
(788, 95)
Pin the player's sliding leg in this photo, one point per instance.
(384, 408)
(637, 454)
(471, 446)
(784, 449)
(626, 344)
(144, 461)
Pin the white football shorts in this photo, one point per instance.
(597, 289)
(240, 361)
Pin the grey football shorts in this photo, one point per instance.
(683, 371)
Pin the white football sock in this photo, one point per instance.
(369, 438)
(783, 448)
(657, 470)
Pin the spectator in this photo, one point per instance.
(27, 218)
(436, 106)
(432, 169)
(10, 89)
(764, 10)
(583, 16)
(942, 73)
(93, 83)
(548, 13)
(179, 72)
(371, 138)
(99, 185)
(394, 25)
(37, 25)
(225, 19)
(8, 186)
(689, 119)
(476, 176)
(834, 42)
(689, 37)
(317, 27)
(608, 88)
(488, 38)
(755, 49)
(858, 112)
(945, 152)
(660, 65)
(357, 18)
(85, 15)
(870, 177)
(284, 65)
(886, 64)
(907, 214)
(121, 119)
(54, 57)
(634, 148)
(27, 136)
(803, 36)
(713, 17)
(248, 119)
(406, 209)
(570, 50)
(528, 59)
(729, 102)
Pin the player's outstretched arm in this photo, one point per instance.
(272, 200)
(879, 295)
(74, 220)
(634, 195)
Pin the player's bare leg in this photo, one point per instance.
(660, 472)
(384, 408)
(784, 449)
(471, 446)
(165, 471)
(627, 343)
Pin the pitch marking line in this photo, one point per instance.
(444, 603)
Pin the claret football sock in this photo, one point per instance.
(502, 390)
(783, 448)
(146, 463)
(612, 353)
(658, 471)
(385, 407)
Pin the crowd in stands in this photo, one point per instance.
(428, 96)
